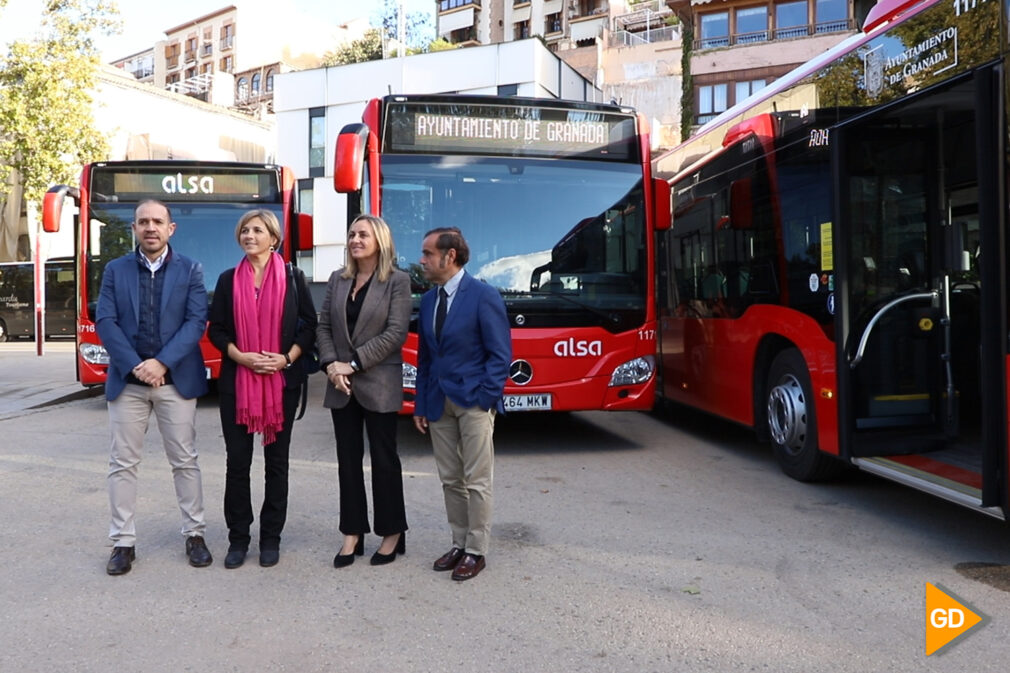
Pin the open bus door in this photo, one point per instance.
(920, 290)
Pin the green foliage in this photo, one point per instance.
(368, 48)
(686, 82)
(419, 27)
(46, 84)
(441, 44)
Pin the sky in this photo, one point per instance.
(144, 21)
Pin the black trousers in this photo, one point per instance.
(239, 445)
(387, 473)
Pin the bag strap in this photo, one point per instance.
(305, 381)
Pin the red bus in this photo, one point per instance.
(836, 274)
(206, 199)
(557, 202)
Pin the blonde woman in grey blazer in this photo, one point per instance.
(362, 327)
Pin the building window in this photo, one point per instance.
(744, 89)
(791, 19)
(190, 72)
(256, 84)
(522, 30)
(172, 56)
(270, 81)
(227, 36)
(715, 30)
(751, 25)
(226, 64)
(243, 88)
(508, 90)
(317, 141)
(191, 49)
(831, 15)
(553, 23)
(207, 68)
(712, 100)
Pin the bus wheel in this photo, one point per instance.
(3, 331)
(791, 421)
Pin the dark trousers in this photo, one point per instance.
(387, 474)
(239, 444)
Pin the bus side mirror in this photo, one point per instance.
(305, 241)
(52, 206)
(662, 206)
(349, 158)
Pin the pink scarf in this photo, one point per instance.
(259, 397)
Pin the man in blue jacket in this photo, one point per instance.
(152, 312)
(464, 350)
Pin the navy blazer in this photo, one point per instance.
(183, 319)
(298, 325)
(470, 363)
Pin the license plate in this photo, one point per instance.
(540, 402)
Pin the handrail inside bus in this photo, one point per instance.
(858, 357)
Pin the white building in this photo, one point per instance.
(311, 106)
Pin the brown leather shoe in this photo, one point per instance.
(448, 560)
(468, 567)
(196, 550)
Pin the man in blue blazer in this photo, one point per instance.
(464, 351)
(152, 312)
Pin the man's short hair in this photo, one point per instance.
(451, 238)
(156, 202)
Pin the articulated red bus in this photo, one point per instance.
(836, 274)
(557, 202)
(206, 199)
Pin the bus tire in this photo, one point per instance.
(3, 331)
(792, 423)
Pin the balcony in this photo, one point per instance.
(589, 27)
(207, 49)
(190, 56)
(227, 42)
(172, 62)
(446, 5)
(627, 38)
(788, 33)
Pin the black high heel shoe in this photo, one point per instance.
(382, 559)
(344, 560)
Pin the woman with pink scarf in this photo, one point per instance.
(262, 320)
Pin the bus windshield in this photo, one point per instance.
(563, 241)
(204, 232)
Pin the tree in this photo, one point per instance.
(368, 48)
(46, 84)
(418, 26)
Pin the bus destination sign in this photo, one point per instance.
(192, 183)
(518, 130)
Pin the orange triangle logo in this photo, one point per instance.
(946, 619)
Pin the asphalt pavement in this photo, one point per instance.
(30, 381)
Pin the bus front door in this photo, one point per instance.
(912, 304)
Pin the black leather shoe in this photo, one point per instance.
(468, 567)
(448, 560)
(382, 559)
(196, 550)
(121, 560)
(269, 557)
(235, 558)
(344, 560)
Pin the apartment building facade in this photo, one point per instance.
(739, 46)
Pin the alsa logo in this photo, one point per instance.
(188, 184)
(572, 348)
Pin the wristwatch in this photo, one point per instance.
(288, 359)
(354, 365)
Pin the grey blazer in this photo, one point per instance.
(378, 336)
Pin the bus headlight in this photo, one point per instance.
(634, 371)
(94, 354)
(409, 376)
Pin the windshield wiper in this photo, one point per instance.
(599, 313)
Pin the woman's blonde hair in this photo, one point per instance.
(387, 251)
(268, 218)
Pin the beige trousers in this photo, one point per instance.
(128, 418)
(464, 455)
